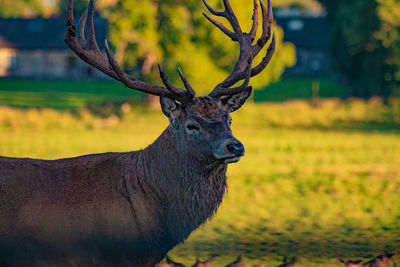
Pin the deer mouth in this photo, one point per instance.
(232, 159)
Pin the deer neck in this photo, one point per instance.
(176, 163)
(192, 190)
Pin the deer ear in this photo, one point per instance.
(234, 102)
(170, 107)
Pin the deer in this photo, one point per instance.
(380, 261)
(236, 263)
(169, 263)
(287, 262)
(132, 208)
(349, 263)
(206, 263)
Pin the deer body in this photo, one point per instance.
(130, 209)
(115, 204)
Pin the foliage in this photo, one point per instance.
(365, 44)
(44, 8)
(79, 7)
(175, 33)
(316, 182)
(24, 8)
(133, 30)
(389, 34)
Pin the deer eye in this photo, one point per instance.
(192, 127)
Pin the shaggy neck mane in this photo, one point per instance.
(191, 191)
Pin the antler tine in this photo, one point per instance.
(93, 58)
(185, 97)
(91, 43)
(221, 90)
(268, 19)
(81, 28)
(165, 80)
(243, 69)
(231, 80)
(190, 93)
(89, 52)
(114, 65)
(235, 90)
(230, 15)
(212, 11)
(70, 22)
(254, 28)
(128, 81)
(220, 26)
(264, 62)
(186, 83)
(133, 83)
(70, 14)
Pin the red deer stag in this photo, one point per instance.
(380, 261)
(206, 263)
(131, 208)
(349, 263)
(287, 262)
(237, 263)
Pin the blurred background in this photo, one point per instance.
(321, 175)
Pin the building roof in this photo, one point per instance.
(47, 34)
(305, 32)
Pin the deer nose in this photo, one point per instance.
(236, 148)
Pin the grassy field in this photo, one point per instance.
(62, 94)
(316, 182)
(300, 88)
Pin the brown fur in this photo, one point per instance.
(237, 263)
(288, 263)
(349, 263)
(380, 261)
(206, 263)
(122, 208)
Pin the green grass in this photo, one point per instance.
(299, 88)
(316, 182)
(61, 94)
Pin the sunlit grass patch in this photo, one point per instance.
(316, 181)
(61, 94)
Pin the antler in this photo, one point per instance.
(88, 50)
(243, 68)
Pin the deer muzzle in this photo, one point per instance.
(229, 151)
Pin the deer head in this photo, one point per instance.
(205, 263)
(201, 124)
(349, 263)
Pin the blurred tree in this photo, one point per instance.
(26, 8)
(302, 4)
(44, 8)
(389, 35)
(79, 7)
(175, 33)
(133, 31)
(364, 44)
(172, 32)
